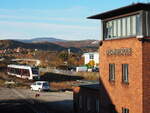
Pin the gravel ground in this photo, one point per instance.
(54, 100)
(46, 102)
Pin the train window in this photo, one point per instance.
(25, 72)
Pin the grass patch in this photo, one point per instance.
(2, 82)
(89, 75)
(62, 85)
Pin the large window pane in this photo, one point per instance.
(148, 23)
(123, 26)
(133, 25)
(114, 28)
(106, 30)
(147, 26)
(139, 25)
(109, 29)
(119, 27)
(128, 26)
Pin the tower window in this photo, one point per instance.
(123, 27)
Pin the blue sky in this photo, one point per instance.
(64, 19)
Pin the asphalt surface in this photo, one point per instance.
(24, 101)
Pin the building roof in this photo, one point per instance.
(121, 11)
(90, 53)
(88, 84)
(91, 86)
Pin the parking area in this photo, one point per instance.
(44, 101)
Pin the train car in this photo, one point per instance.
(23, 71)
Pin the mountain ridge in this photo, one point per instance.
(39, 39)
(12, 44)
(53, 44)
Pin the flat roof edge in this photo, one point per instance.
(121, 10)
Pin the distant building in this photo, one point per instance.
(91, 56)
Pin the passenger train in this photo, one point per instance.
(23, 71)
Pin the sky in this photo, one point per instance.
(63, 19)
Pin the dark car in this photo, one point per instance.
(95, 69)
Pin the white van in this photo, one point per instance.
(40, 86)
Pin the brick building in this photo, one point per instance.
(125, 61)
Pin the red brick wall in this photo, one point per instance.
(122, 95)
(146, 77)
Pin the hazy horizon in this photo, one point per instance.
(47, 38)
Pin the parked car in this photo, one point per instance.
(96, 69)
(81, 69)
(40, 86)
(71, 68)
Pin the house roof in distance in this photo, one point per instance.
(120, 11)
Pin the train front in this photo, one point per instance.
(35, 73)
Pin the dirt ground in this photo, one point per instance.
(45, 102)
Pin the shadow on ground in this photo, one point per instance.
(33, 106)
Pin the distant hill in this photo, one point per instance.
(61, 42)
(41, 39)
(11, 44)
(50, 43)
(79, 44)
(84, 45)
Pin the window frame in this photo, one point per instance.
(125, 73)
(91, 56)
(125, 110)
(111, 72)
(119, 25)
(80, 101)
(128, 26)
(107, 36)
(88, 103)
(97, 105)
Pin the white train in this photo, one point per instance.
(23, 71)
